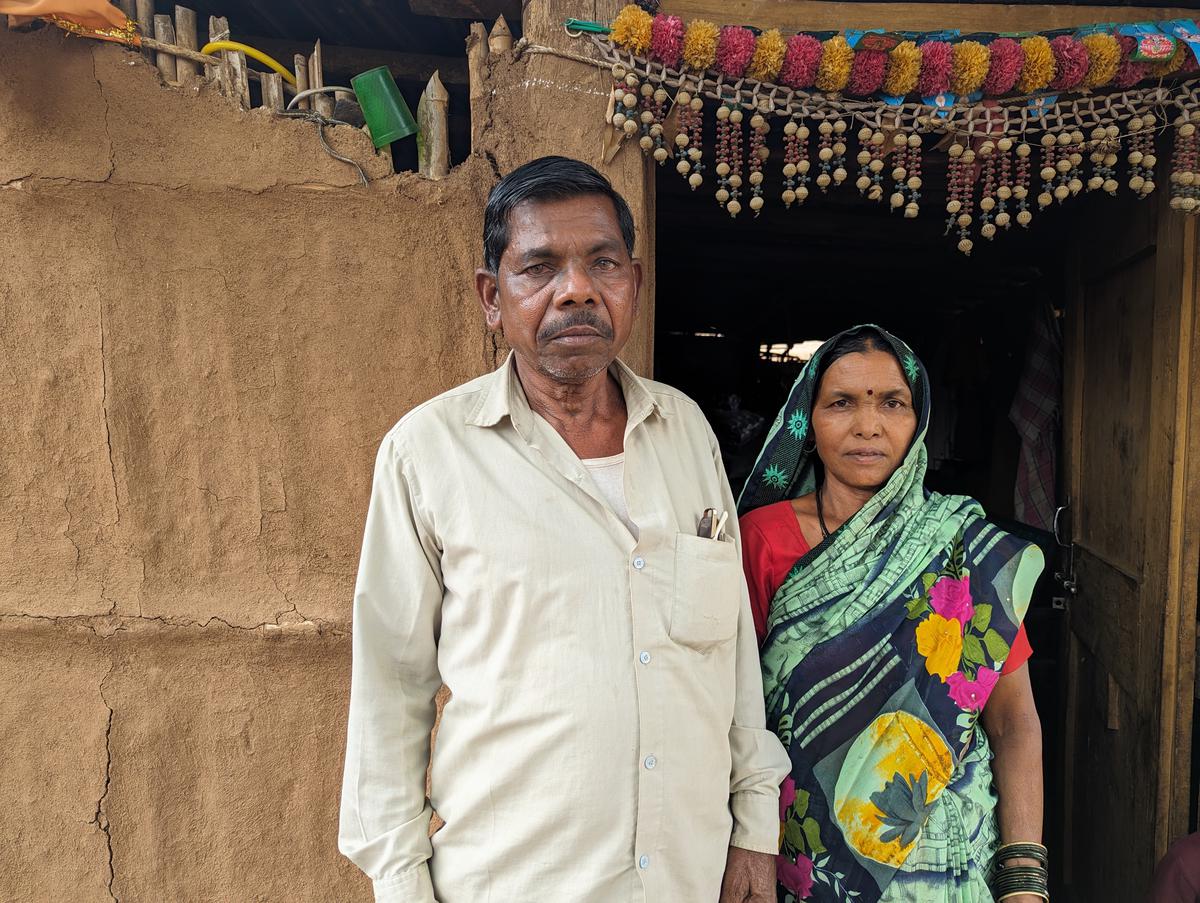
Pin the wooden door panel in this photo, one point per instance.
(1115, 414)
(1112, 801)
(1128, 431)
(1105, 618)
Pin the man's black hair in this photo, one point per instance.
(545, 179)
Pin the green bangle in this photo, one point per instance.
(1023, 850)
(1022, 879)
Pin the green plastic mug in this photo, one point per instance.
(387, 115)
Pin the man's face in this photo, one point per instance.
(565, 294)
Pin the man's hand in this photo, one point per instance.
(749, 877)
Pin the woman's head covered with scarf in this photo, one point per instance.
(858, 411)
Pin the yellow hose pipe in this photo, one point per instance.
(214, 46)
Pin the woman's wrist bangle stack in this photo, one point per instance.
(1015, 880)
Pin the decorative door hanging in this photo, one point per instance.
(1027, 120)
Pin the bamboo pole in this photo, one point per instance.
(164, 33)
(145, 20)
(234, 73)
(433, 145)
(272, 91)
(477, 56)
(218, 30)
(322, 103)
(300, 67)
(185, 36)
(500, 40)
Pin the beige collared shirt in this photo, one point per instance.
(605, 736)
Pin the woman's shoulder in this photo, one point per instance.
(769, 518)
(776, 528)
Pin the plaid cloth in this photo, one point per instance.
(1035, 414)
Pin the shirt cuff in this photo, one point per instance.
(411, 886)
(755, 822)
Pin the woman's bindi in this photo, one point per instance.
(870, 391)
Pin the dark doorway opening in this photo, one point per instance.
(741, 303)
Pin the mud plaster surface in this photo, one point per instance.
(206, 326)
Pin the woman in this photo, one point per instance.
(888, 616)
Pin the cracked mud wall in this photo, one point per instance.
(206, 327)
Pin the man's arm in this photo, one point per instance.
(397, 607)
(759, 761)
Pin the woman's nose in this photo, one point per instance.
(867, 423)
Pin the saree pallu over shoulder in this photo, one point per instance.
(882, 648)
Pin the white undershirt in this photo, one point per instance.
(609, 476)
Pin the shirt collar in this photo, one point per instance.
(503, 397)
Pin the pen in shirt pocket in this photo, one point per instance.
(711, 526)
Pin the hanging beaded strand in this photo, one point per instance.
(825, 155)
(1021, 189)
(1049, 170)
(1062, 166)
(689, 139)
(1004, 191)
(759, 127)
(953, 198)
(795, 163)
(654, 111)
(1141, 154)
(962, 195)
(899, 170)
(914, 182)
(839, 152)
(870, 163)
(988, 200)
(1185, 192)
(624, 101)
(729, 158)
(1103, 159)
(629, 105)
(1075, 157)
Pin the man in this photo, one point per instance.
(532, 543)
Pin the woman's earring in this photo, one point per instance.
(809, 447)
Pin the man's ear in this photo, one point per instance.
(488, 289)
(638, 276)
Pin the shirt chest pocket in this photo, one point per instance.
(708, 591)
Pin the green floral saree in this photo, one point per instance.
(882, 647)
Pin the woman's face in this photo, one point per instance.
(863, 419)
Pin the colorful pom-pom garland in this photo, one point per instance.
(1086, 61)
(1025, 147)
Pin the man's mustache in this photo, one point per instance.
(582, 317)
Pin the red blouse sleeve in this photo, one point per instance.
(756, 561)
(1019, 654)
(771, 544)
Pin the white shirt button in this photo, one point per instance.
(644, 862)
(639, 562)
(644, 658)
(650, 761)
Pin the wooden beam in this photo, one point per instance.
(466, 9)
(790, 16)
(186, 36)
(145, 17)
(477, 56)
(164, 32)
(500, 40)
(272, 91)
(433, 144)
(349, 61)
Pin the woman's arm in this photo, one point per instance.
(1011, 721)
